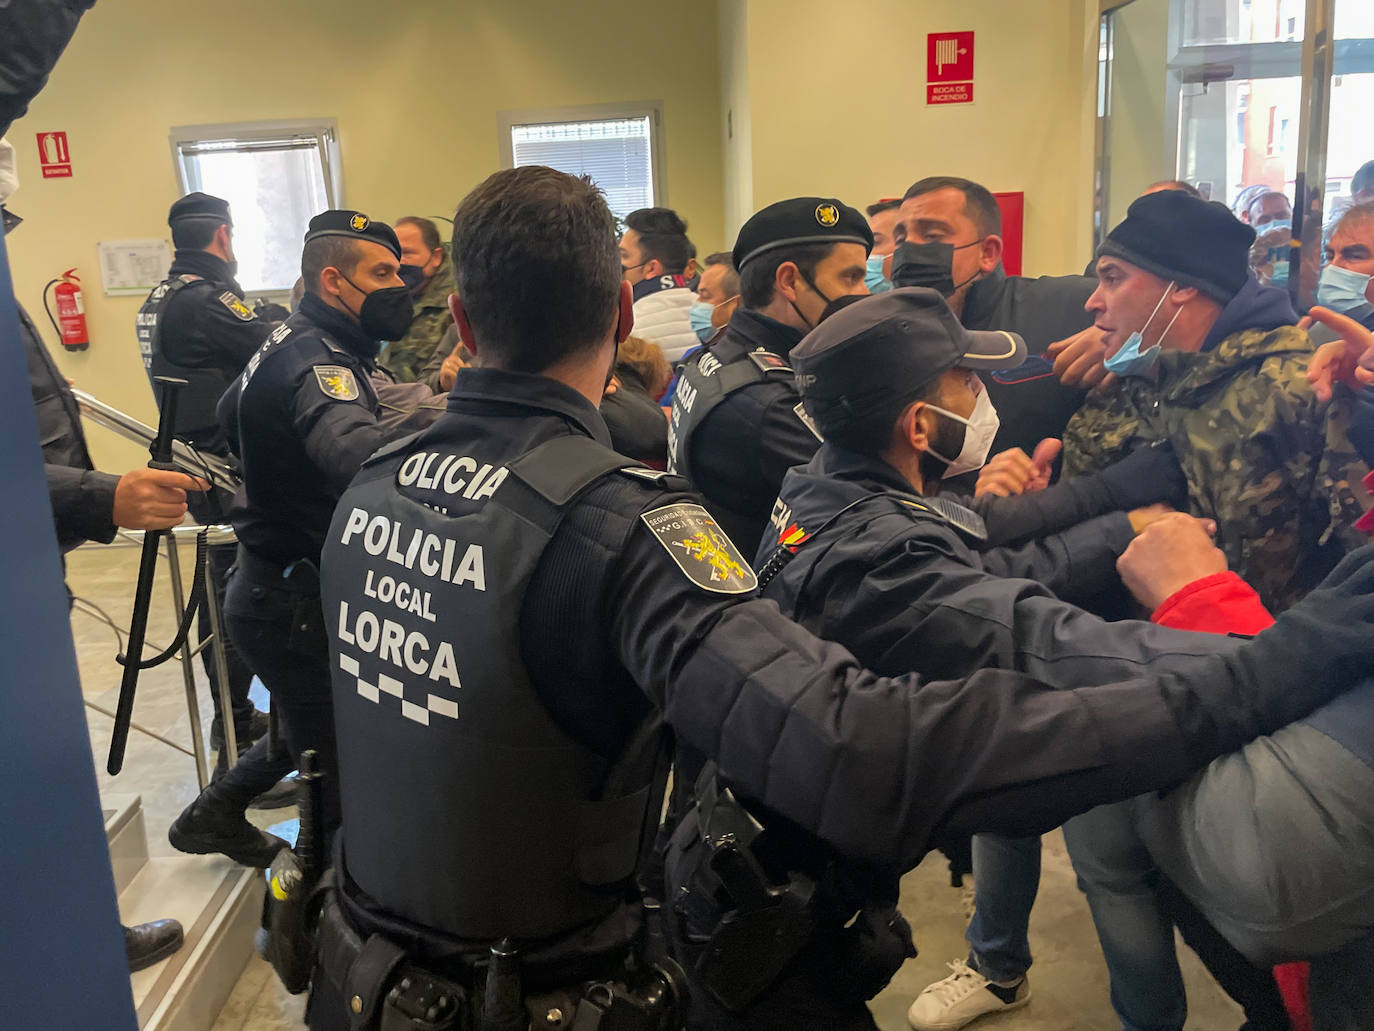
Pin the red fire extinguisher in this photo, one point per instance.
(70, 322)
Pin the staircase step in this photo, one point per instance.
(219, 904)
(127, 837)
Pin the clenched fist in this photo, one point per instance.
(152, 499)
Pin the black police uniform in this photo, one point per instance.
(591, 599)
(304, 416)
(737, 424)
(195, 326)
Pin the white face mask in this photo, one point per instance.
(981, 428)
(9, 172)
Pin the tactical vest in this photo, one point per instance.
(705, 382)
(196, 417)
(466, 809)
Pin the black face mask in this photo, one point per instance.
(387, 313)
(413, 276)
(828, 302)
(928, 264)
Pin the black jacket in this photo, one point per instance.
(741, 450)
(873, 765)
(35, 34)
(1031, 401)
(82, 499)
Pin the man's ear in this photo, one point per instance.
(460, 317)
(990, 256)
(1183, 294)
(625, 321)
(911, 428)
(653, 268)
(223, 237)
(785, 280)
(330, 278)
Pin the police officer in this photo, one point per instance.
(304, 416)
(737, 422)
(510, 605)
(195, 326)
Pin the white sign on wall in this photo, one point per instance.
(133, 266)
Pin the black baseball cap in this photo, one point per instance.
(801, 220)
(860, 367)
(353, 225)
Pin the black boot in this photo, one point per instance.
(245, 731)
(146, 944)
(208, 826)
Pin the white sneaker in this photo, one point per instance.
(962, 997)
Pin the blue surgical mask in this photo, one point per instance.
(874, 279)
(1275, 226)
(699, 315)
(1342, 289)
(1130, 360)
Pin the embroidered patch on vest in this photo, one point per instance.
(337, 382)
(241, 311)
(701, 549)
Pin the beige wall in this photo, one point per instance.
(415, 89)
(838, 107)
(1140, 149)
(736, 115)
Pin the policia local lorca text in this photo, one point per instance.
(431, 556)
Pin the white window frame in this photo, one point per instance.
(324, 131)
(651, 109)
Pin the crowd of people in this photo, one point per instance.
(846, 542)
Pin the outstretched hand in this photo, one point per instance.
(1349, 360)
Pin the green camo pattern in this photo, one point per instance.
(406, 358)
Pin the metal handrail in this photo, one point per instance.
(221, 474)
(190, 460)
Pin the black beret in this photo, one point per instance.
(199, 206)
(1188, 240)
(869, 360)
(355, 226)
(801, 220)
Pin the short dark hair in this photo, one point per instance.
(1175, 184)
(731, 274)
(756, 282)
(872, 435)
(194, 234)
(1363, 179)
(325, 252)
(429, 232)
(979, 203)
(662, 237)
(891, 204)
(534, 252)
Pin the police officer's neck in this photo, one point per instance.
(584, 372)
(907, 463)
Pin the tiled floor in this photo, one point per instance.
(1068, 979)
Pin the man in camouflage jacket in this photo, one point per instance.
(428, 271)
(1220, 371)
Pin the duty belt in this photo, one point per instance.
(384, 991)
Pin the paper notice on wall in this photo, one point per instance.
(133, 266)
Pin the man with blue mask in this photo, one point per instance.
(717, 297)
(1347, 286)
(1272, 216)
(883, 218)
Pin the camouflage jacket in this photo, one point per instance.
(406, 358)
(1262, 456)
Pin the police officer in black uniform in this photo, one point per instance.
(303, 416)
(510, 604)
(195, 326)
(737, 423)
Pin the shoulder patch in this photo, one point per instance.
(241, 311)
(767, 361)
(701, 549)
(337, 382)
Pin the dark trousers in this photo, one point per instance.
(218, 563)
(280, 633)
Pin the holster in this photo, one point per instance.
(287, 918)
(746, 928)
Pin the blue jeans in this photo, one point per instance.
(1006, 876)
(1117, 874)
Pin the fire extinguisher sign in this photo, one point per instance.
(54, 155)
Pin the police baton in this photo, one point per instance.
(161, 452)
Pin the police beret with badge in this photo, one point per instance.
(801, 220)
(199, 207)
(353, 225)
(860, 367)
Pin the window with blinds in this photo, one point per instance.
(617, 153)
(275, 176)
